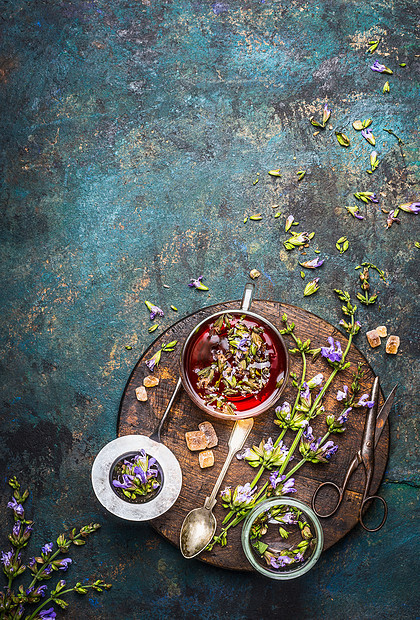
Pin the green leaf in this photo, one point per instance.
(342, 139)
(274, 173)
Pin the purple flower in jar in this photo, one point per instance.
(281, 561)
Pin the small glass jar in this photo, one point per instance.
(282, 538)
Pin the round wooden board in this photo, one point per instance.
(142, 418)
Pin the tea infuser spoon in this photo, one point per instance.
(120, 448)
(200, 524)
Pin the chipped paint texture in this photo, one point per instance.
(133, 133)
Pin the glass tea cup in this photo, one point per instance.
(205, 345)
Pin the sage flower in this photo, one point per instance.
(63, 564)
(280, 562)
(365, 402)
(6, 558)
(154, 361)
(313, 450)
(355, 212)
(366, 196)
(333, 353)
(285, 420)
(312, 264)
(281, 489)
(410, 207)
(47, 614)
(391, 219)
(326, 113)
(368, 135)
(47, 549)
(380, 68)
(342, 394)
(266, 454)
(242, 497)
(198, 284)
(288, 518)
(154, 310)
(16, 507)
(336, 425)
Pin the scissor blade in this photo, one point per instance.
(383, 414)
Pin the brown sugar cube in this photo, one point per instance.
(150, 381)
(210, 434)
(196, 440)
(382, 331)
(141, 394)
(373, 338)
(392, 344)
(206, 459)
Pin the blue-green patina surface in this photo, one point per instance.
(133, 134)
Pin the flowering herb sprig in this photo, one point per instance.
(305, 408)
(155, 359)
(13, 605)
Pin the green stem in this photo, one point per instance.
(48, 601)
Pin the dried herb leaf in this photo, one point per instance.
(254, 273)
(386, 88)
(275, 173)
(342, 244)
(311, 287)
(255, 217)
(153, 327)
(301, 174)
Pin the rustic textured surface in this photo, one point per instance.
(132, 134)
(143, 418)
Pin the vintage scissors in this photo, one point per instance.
(374, 426)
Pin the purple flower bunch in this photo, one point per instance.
(316, 451)
(137, 476)
(333, 353)
(280, 485)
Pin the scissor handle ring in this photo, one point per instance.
(340, 495)
(385, 505)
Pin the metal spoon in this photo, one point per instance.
(200, 524)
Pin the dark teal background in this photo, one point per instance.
(132, 135)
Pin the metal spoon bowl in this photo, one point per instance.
(199, 525)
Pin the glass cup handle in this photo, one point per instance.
(247, 296)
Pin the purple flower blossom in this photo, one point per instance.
(365, 402)
(16, 529)
(299, 557)
(64, 563)
(47, 570)
(196, 282)
(305, 391)
(47, 548)
(333, 354)
(40, 591)
(32, 563)
(6, 558)
(155, 311)
(151, 364)
(280, 562)
(342, 419)
(243, 494)
(289, 518)
(287, 487)
(16, 507)
(48, 614)
(269, 445)
(367, 134)
(342, 395)
(244, 344)
(410, 207)
(313, 264)
(328, 449)
(355, 212)
(380, 68)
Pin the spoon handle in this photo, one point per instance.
(237, 439)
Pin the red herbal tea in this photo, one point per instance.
(234, 363)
